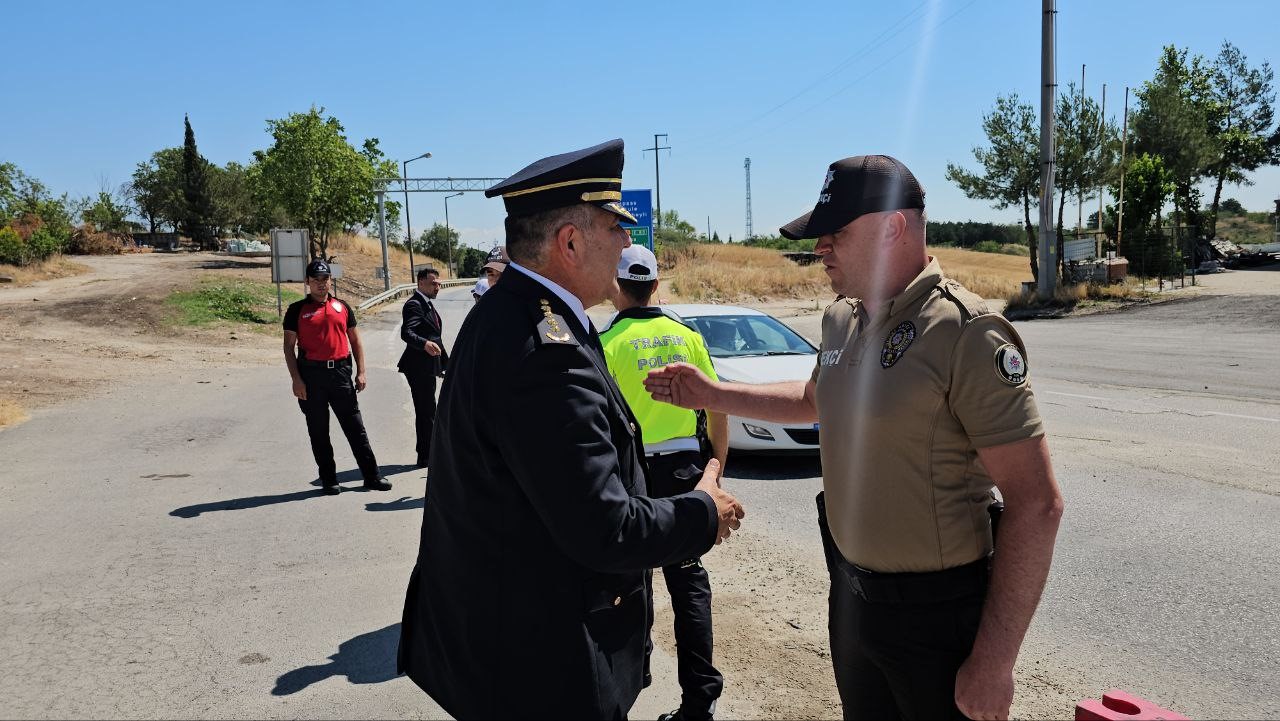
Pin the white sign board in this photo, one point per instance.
(289, 254)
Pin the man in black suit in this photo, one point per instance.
(424, 356)
(532, 597)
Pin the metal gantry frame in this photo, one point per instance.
(382, 186)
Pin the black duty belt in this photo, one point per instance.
(948, 584)
(339, 363)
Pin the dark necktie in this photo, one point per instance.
(595, 339)
(431, 310)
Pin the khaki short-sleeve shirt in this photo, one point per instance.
(905, 399)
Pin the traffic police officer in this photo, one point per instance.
(322, 329)
(640, 339)
(531, 594)
(925, 406)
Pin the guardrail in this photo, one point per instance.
(406, 288)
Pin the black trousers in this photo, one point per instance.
(690, 588)
(898, 659)
(334, 388)
(422, 385)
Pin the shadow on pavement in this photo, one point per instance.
(367, 658)
(774, 468)
(403, 503)
(240, 504)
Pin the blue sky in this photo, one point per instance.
(91, 89)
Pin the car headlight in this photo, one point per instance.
(757, 432)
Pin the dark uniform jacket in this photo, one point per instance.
(531, 598)
(417, 327)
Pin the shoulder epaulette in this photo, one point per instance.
(970, 304)
(552, 329)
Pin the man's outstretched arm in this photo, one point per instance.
(683, 385)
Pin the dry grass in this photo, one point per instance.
(990, 275)
(11, 414)
(1067, 297)
(729, 273)
(726, 273)
(361, 258)
(55, 267)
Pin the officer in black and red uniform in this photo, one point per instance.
(323, 329)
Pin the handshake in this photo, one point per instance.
(729, 511)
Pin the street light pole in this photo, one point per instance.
(448, 234)
(408, 227)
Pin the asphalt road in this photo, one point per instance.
(168, 554)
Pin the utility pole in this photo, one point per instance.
(657, 178)
(1080, 188)
(1124, 141)
(1048, 260)
(708, 228)
(750, 233)
(1102, 139)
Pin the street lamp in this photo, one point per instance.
(448, 236)
(408, 228)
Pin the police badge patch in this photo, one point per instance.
(897, 343)
(1010, 365)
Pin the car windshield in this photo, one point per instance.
(735, 336)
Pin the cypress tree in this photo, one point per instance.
(195, 191)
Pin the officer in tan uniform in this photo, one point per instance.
(925, 408)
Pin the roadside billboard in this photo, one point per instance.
(640, 204)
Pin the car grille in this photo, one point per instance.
(803, 436)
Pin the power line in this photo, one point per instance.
(857, 80)
(874, 44)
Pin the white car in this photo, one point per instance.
(748, 346)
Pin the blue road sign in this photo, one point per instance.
(640, 204)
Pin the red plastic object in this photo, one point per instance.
(1116, 705)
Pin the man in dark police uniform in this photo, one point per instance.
(531, 597)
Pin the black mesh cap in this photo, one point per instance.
(854, 187)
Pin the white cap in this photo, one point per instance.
(638, 263)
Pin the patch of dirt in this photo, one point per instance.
(69, 337)
(773, 648)
(770, 630)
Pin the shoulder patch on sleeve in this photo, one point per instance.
(552, 329)
(1011, 366)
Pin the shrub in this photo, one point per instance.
(45, 243)
(12, 250)
(987, 246)
(1015, 249)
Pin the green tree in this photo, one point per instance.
(382, 168)
(23, 197)
(314, 176)
(197, 200)
(156, 189)
(233, 205)
(1010, 167)
(1086, 148)
(436, 242)
(1175, 109)
(674, 230)
(1148, 185)
(1240, 123)
(470, 261)
(109, 213)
